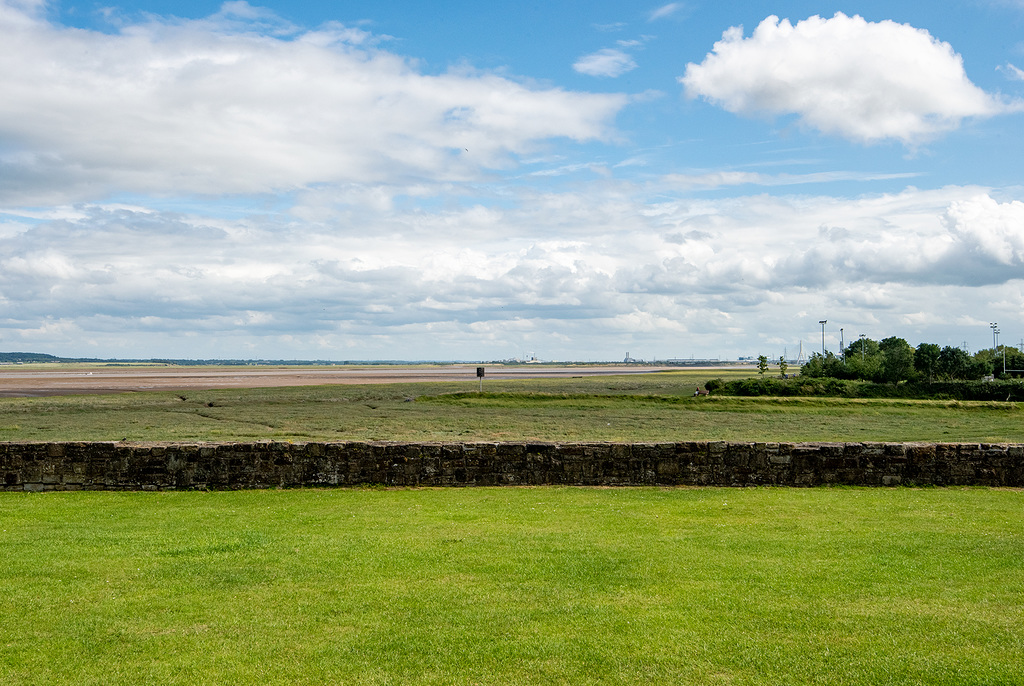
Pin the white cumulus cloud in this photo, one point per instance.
(420, 283)
(209, 107)
(866, 81)
(989, 230)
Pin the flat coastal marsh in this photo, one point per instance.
(634, 408)
(754, 586)
(738, 587)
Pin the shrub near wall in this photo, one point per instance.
(120, 466)
(1002, 390)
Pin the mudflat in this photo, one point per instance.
(36, 380)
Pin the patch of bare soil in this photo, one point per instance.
(39, 381)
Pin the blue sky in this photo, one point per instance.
(465, 180)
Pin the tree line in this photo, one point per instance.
(892, 360)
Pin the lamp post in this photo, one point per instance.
(823, 322)
(996, 332)
(842, 344)
(862, 348)
(993, 326)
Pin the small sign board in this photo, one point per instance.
(480, 372)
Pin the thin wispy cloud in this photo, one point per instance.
(719, 179)
(608, 62)
(665, 11)
(1012, 72)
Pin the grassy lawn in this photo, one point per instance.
(652, 407)
(514, 586)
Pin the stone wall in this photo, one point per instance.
(124, 466)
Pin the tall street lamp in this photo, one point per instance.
(862, 347)
(993, 326)
(823, 322)
(996, 351)
(1004, 360)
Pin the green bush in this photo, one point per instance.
(714, 385)
(999, 390)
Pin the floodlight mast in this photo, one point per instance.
(996, 351)
(823, 322)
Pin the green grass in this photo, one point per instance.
(514, 586)
(650, 407)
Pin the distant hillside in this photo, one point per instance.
(23, 358)
(11, 358)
